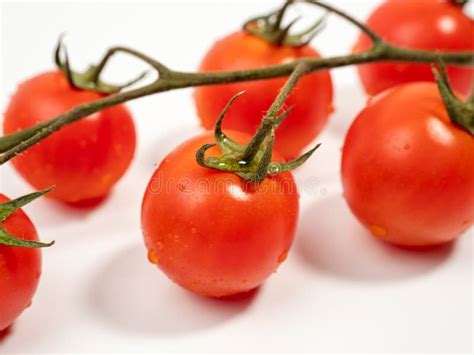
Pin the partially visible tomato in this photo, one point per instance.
(312, 96)
(408, 170)
(20, 268)
(418, 24)
(83, 160)
(210, 231)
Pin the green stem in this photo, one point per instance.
(12, 140)
(268, 122)
(285, 91)
(280, 14)
(374, 36)
(112, 51)
(16, 143)
(470, 99)
(399, 54)
(253, 161)
(147, 59)
(461, 113)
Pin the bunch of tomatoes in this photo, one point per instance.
(407, 168)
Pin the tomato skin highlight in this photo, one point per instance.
(211, 232)
(83, 160)
(407, 170)
(312, 96)
(20, 268)
(418, 24)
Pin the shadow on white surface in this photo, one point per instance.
(330, 240)
(132, 294)
(350, 100)
(54, 214)
(5, 333)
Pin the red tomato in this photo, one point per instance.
(20, 268)
(419, 24)
(407, 170)
(84, 160)
(210, 231)
(312, 96)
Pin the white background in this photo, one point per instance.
(339, 291)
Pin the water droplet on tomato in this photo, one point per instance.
(274, 169)
(159, 245)
(283, 256)
(193, 230)
(378, 231)
(153, 258)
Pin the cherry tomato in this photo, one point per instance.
(84, 160)
(211, 232)
(407, 169)
(312, 97)
(20, 268)
(419, 24)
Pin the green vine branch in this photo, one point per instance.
(461, 113)
(253, 161)
(168, 80)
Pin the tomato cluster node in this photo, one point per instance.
(269, 27)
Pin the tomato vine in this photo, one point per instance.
(168, 79)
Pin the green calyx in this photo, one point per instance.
(252, 161)
(269, 27)
(461, 113)
(6, 209)
(90, 79)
